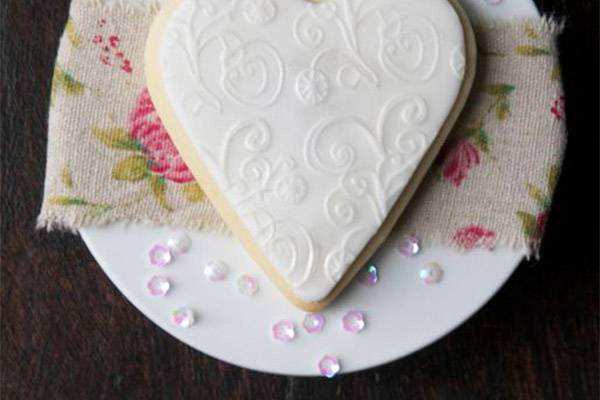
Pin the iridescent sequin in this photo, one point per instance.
(353, 322)
(183, 317)
(247, 285)
(216, 271)
(314, 323)
(369, 275)
(409, 246)
(284, 331)
(431, 273)
(158, 286)
(329, 366)
(159, 255)
(179, 244)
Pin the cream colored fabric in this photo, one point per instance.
(110, 160)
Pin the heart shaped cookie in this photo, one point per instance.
(310, 123)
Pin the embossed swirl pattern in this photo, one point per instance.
(369, 162)
(252, 72)
(373, 167)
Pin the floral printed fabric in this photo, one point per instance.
(492, 184)
(110, 158)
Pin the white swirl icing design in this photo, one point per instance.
(312, 118)
(257, 176)
(259, 11)
(287, 240)
(291, 189)
(408, 47)
(311, 86)
(351, 68)
(393, 150)
(339, 209)
(251, 72)
(337, 260)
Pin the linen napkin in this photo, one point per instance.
(110, 158)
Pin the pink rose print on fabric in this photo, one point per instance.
(459, 160)
(473, 236)
(540, 223)
(474, 141)
(110, 54)
(146, 159)
(147, 128)
(558, 108)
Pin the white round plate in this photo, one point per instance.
(403, 315)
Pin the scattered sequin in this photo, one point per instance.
(284, 331)
(431, 273)
(409, 246)
(329, 366)
(314, 323)
(353, 322)
(216, 271)
(179, 244)
(183, 317)
(159, 255)
(158, 286)
(368, 276)
(247, 285)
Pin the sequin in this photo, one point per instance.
(431, 273)
(314, 323)
(179, 244)
(284, 331)
(159, 255)
(353, 322)
(247, 285)
(329, 366)
(158, 286)
(409, 246)
(183, 317)
(369, 276)
(216, 271)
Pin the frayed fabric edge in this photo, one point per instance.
(53, 222)
(61, 223)
(513, 242)
(545, 25)
(132, 6)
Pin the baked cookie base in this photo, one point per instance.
(200, 172)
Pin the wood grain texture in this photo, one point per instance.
(67, 333)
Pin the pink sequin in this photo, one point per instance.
(354, 322)
(329, 366)
(159, 255)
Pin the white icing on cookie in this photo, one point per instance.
(312, 118)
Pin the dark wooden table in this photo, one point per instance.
(67, 333)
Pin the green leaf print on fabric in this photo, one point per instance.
(116, 138)
(533, 223)
(64, 82)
